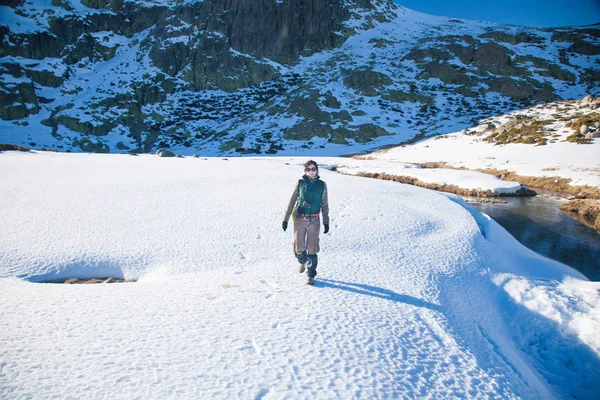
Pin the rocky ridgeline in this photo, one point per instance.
(231, 76)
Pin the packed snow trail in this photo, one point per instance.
(411, 300)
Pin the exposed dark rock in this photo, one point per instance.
(343, 116)
(95, 3)
(91, 146)
(165, 153)
(86, 127)
(87, 47)
(281, 31)
(492, 54)
(62, 3)
(510, 88)
(330, 101)
(306, 130)
(307, 107)
(13, 147)
(552, 70)
(18, 101)
(545, 95)
(512, 39)
(446, 73)
(465, 54)
(562, 36)
(591, 76)
(468, 39)
(399, 96)
(431, 53)
(582, 47)
(45, 78)
(33, 46)
(12, 3)
(380, 43)
(367, 82)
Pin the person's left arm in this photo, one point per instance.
(325, 207)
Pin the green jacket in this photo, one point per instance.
(311, 196)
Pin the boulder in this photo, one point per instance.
(91, 146)
(588, 99)
(592, 134)
(583, 129)
(331, 101)
(165, 153)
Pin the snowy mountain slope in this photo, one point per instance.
(418, 295)
(124, 76)
(540, 141)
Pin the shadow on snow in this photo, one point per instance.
(368, 290)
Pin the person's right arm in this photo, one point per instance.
(291, 204)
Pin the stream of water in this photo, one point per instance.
(537, 223)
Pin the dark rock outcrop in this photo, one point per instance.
(367, 82)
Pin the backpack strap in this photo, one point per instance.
(300, 198)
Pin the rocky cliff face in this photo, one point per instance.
(266, 76)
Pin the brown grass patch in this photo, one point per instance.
(530, 132)
(585, 210)
(442, 187)
(589, 120)
(229, 286)
(438, 164)
(78, 281)
(553, 183)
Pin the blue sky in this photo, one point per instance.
(545, 13)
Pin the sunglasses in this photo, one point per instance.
(311, 169)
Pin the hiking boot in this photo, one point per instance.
(302, 268)
(311, 281)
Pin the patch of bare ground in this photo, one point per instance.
(585, 210)
(552, 183)
(443, 187)
(438, 164)
(76, 281)
(485, 200)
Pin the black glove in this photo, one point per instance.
(326, 229)
(284, 225)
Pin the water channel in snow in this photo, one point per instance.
(537, 223)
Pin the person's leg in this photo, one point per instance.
(300, 231)
(312, 247)
(311, 266)
(312, 235)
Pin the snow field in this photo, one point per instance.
(411, 300)
(563, 159)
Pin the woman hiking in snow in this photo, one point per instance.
(308, 200)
